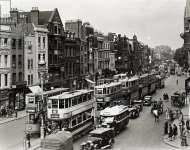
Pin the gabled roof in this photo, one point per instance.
(44, 17)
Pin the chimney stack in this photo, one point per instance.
(35, 15)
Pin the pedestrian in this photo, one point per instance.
(170, 135)
(155, 112)
(175, 131)
(187, 126)
(166, 128)
(28, 139)
(177, 82)
(184, 137)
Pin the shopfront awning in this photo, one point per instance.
(35, 89)
(90, 81)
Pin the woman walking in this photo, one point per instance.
(170, 135)
(175, 131)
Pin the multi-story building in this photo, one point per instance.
(5, 66)
(12, 64)
(36, 52)
(71, 59)
(102, 54)
(186, 34)
(52, 21)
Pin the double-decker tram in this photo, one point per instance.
(133, 86)
(152, 83)
(116, 117)
(72, 111)
(143, 85)
(35, 106)
(160, 83)
(107, 94)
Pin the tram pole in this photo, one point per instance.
(42, 128)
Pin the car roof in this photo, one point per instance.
(100, 130)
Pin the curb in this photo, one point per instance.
(167, 143)
(14, 119)
(176, 147)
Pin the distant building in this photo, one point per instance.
(186, 34)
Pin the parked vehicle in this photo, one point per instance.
(138, 104)
(147, 101)
(100, 138)
(134, 112)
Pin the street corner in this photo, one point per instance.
(175, 143)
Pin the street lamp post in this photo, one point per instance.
(42, 127)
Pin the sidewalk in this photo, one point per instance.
(177, 142)
(21, 114)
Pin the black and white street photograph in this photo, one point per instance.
(94, 74)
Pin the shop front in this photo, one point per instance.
(4, 97)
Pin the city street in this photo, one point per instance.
(12, 134)
(142, 132)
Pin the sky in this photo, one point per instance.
(155, 22)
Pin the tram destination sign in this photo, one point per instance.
(54, 116)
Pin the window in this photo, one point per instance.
(6, 80)
(20, 43)
(31, 78)
(20, 61)
(5, 41)
(55, 29)
(39, 55)
(6, 57)
(31, 63)
(44, 42)
(0, 60)
(74, 101)
(14, 78)
(39, 42)
(61, 103)
(54, 103)
(80, 99)
(13, 44)
(0, 80)
(79, 119)
(14, 61)
(66, 103)
(28, 63)
(74, 122)
(28, 79)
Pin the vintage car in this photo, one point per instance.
(147, 101)
(157, 105)
(178, 99)
(134, 111)
(138, 104)
(100, 138)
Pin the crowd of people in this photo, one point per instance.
(7, 112)
(171, 129)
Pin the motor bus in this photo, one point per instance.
(72, 111)
(107, 94)
(35, 106)
(116, 117)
